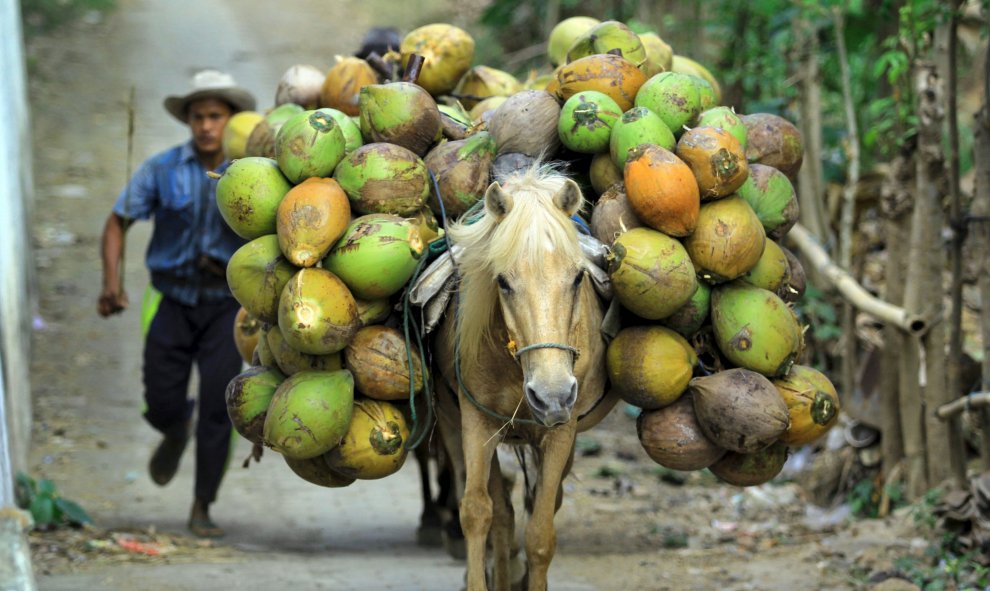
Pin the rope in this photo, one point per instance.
(574, 350)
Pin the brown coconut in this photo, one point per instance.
(316, 471)
(794, 287)
(527, 123)
(672, 437)
(740, 410)
(727, 241)
(751, 469)
(716, 158)
(342, 87)
(774, 141)
(247, 332)
(379, 360)
(613, 215)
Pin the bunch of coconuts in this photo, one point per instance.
(334, 188)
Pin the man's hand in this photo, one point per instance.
(112, 301)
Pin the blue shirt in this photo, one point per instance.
(172, 187)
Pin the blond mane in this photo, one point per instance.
(533, 227)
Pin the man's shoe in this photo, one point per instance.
(165, 461)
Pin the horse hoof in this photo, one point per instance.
(430, 536)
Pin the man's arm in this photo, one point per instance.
(113, 299)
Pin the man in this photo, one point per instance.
(188, 311)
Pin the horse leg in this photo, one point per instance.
(476, 504)
(428, 533)
(541, 538)
(503, 526)
(451, 472)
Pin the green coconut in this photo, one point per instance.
(373, 311)
(384, 178)
(651, 273)
(377, 255)
(248, 194)
(310, 413)
(659, 55)
(262, 352)
(755, 329)
(637, 126)
(724, 118)
(309, 144)
(292, 361)
(586, 122)
(462, 170)
(604, 173)
(248, 396)
(317, 313)
(351, 130)
(400, 113)
(605, 37)
(261, 142)
(772, 271)
(374, 446)
(649, 366)
(316, 471)
(728, 240)
(771, 195)
(690, 317)
(256, 274)
(674, 97)
(564, 34)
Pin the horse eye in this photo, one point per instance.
(579, 279)
(503, 284)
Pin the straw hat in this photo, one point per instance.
(211, 84)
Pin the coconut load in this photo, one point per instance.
(310, 413)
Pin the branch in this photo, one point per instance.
(850, 289)
(968, 402)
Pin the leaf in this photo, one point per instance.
(73, 512)
(43, 510)
(46, 487)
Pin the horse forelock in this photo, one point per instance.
(532, 230)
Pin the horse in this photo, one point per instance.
(520, 346)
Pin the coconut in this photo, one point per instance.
(248, 194)
(771, 195)
(316, 471)
(300, 84)
(651, 273)
(685, 65)
(462, 170)
(429, 228)
(373, 311)
(724, 118)
(649, 366)
(793, 288)
(812, 403)
(672, 437)
(716, 158)
(374, 446)
(400, 113)
(586, 122)
(261, 142)
(689, 318)
(739, 410)
(564, 34)
(482, 112)
(659, 55)
(772, 270)
(380, 361)
(613, 75)
(527, 123)
(256, 274)
(755, 329)
(605, 37)
(377, 255)
(447, 52)
(309, 144)
(292, 361)
(638, 126)
(310, 413)
(236, 133)
(672, 96)
(384, 178)
(603, 172)
(344, 82)
(352, 132)
(317, 313)
(751, 469)
(727, 241)
(311, 218)
(248, 396)
(481, 82)
(247, 332)
(774, 141)
(613, 215)
(262, 352)
(662, 190)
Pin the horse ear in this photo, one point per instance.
(568, 198)
(497, 201)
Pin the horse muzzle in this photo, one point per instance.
(552, 406)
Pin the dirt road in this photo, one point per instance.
(620, 527)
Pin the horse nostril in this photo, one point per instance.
(572, 395)
(534, 400)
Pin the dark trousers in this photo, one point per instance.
(178, 337)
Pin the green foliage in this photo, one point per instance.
(42, 16)
(48, 508)
(865, 497)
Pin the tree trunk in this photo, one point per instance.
(810, 182)
(980, 229)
